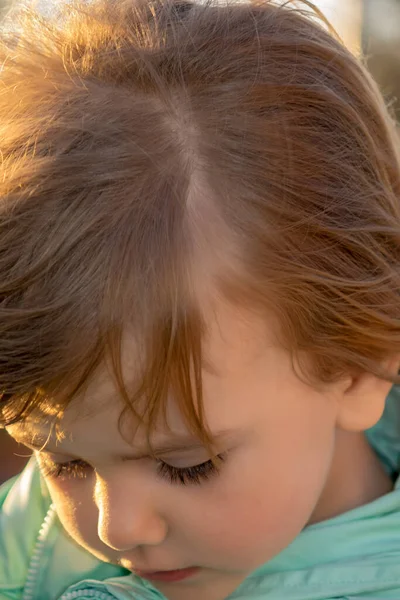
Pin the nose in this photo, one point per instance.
(126, 519)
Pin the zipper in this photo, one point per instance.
(87, 594)
(35, 566)
(35, 562)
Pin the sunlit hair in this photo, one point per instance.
(147, 146)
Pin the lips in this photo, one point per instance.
(168, 576)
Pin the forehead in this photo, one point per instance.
(235, 342)
(233, 339)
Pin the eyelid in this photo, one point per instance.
(198, 455)
(61, 458)
(185, 463)
(194, 474)
(192, 455)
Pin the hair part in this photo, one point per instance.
(145, 141)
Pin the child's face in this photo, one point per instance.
(279, 446)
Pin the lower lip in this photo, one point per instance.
(169, 576)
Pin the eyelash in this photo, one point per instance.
(196, 474)
(184, 476)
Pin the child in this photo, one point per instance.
(200, 313)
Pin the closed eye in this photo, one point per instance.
(80, 469)
(187, 475)
(73, 468)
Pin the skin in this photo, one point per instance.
(294, 455)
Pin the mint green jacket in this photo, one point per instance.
(355, 556)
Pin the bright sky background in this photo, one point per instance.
(346, 17)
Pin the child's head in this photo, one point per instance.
(199, 231)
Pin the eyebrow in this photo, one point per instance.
(177, 443)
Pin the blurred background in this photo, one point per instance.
(368, 27)
(371, 28)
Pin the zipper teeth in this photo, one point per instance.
(34, 565)
(87, 594)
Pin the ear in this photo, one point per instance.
(362, 398)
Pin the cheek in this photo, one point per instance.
(74, 506)
(260, 504)
(78, 514)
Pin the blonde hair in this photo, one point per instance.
(122, 121)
